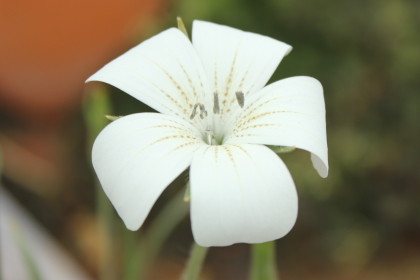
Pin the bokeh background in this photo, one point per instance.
(362, 222)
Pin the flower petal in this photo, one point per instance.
(138, 156)
(235, 60)
(164, 72)
(290, 112)
(240, 193)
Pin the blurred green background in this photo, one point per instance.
(363, 221)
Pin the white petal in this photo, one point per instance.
(290, 112)
(164, 72)
(138, 156)
(235, 60)
(240, 193)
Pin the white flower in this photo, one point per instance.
(216, 117)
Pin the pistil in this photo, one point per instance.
(210, 135)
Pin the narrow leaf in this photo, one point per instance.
(281, 149)
(181, 26)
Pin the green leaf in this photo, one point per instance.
(28, 258)
(281, 149)
(181, 26)
(112, 118)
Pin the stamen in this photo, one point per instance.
(241, 98)
(202, 111)
(194, 111)
(202, 108)
(216, 108)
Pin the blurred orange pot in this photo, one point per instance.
(48, 48)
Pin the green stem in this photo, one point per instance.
(96, 105)
(162, 226)
(263, 265)
(130, 254)
(195, 262)
(105, 212)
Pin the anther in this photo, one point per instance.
(203, 111)
(194, 111)
(202, 108)
(216, 108)
(241, 98)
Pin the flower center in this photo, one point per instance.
(209, 136)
